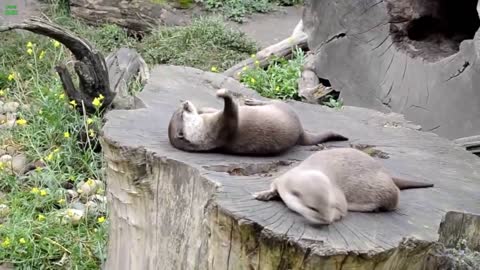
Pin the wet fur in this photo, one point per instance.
(336, 180)
(258, 128)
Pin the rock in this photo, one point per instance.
(6, 158)
(78, 206)
(10, 107)
(71, 195)
(378, 56)
(201, 203)
(19, 163)
(73, 216)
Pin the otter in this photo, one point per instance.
(258, 128)
(331, 182)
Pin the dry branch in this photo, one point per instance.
(280, 49)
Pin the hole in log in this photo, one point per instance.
(432, 29)
(263, 169)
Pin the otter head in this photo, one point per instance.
(312, 195)
(186, 130)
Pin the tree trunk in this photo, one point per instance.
(417, 58)
(171, 209)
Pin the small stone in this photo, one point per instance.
(78, 206)
(74, 215)
(4, 210)
(19, 163)
(11, 150)
(71, 194)
(10, 107)
(6, 158)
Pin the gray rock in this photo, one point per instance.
(368, 52)
(10, 107)
(78, 205)
(5, 158)
(19, 163)
(156, 191)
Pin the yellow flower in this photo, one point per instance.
(38, 169)
(21, 122)
(22, 241)
(89, 121)
(277, 88)
(100, 191)
(61, 96)
(29, 45)
(252, 80)
(40, 112)
(2, 166)
(244, 68)
(70, 213)
(43, 192)
(91, 133)
(90, 182)
(56, 150)
(35, 190)
(61, 201)
(101, 97)
(257, 62)
(6, 242)
(11, 77)
(101, 219)
(79, 191)
(56, 44)
(66, 134)
(41, 217)
(73, 103)
(96, 102)
(2, 93)
(49, 157)
(42, 54)
(253, 56)
(29, 51)
(214, 69)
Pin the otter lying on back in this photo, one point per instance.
(331, 182)
(260, 128)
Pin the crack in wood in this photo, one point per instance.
(459, 71)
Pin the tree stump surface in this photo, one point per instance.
(414, 58)
(171, 209)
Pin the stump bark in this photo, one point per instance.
(171, 209)
(417, 58)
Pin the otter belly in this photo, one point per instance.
(264, 130)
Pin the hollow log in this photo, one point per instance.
(136, 15)
(284, 48)
(417, 58)
(170, 209)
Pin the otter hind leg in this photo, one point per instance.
(363, 207)
(312, 139)
(267, 195)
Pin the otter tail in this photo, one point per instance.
(407, 184)
(308, 138)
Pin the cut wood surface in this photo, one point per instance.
(383, 55)
(171, 209)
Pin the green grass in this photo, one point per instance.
(236, 10)
(35, 232)
(279, 79)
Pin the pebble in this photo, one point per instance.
(11, 150)
(10, 107)
(19, 163)
(78, 206)
(5, 158)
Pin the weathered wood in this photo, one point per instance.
(284, 48)
(89, 64)
(136, 15)
(459, 226)
(123, 65)
(170, 209)
(471, 143)
(417, 58)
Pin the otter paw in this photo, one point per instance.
(265, 195)
(223, 92)
(187, 106)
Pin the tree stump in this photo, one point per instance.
(417, 58)
(171, 209)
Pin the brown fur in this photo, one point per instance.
(347, 178)
(259, 128)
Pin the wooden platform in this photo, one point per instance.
(176, 210)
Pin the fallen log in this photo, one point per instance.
(170, 209)
(284, 48)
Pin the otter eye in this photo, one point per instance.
(313, 208)
(180, 135)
